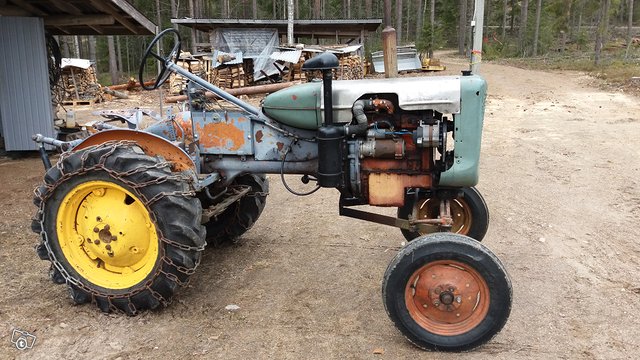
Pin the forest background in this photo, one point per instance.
(587, 35)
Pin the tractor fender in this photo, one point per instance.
(151, 144)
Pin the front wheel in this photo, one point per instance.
(447, 292)
(469, 211)
(120, 228)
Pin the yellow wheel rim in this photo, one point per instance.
(106, 234)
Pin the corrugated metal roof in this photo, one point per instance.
(79, 63)
(407, 60)
(236, 61)
(25, 98)
(292, 56)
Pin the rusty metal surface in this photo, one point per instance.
(270, 144)
(151, 144)
(447, 297)
(222, 132)
(389, 189)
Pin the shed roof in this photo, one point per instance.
(317, 28)
(82, 17)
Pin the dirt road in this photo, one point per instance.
(560, 172)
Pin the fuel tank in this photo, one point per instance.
(297, 106)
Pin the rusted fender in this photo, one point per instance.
(151, 144)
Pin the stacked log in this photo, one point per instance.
(80, 85)
(351, 68)
(229, 76)
(177, 83)
(295, 71)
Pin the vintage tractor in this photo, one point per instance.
(125, 214)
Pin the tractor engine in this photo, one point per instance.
(378, 138)
(389, 150)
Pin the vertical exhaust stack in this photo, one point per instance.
(330, 137)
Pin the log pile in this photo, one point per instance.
(295, 71)
(351, 68)
(229, 76)
(178, 83)
(80, 86)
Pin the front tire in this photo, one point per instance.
(469, 211)
(447, 292)
(119, 227)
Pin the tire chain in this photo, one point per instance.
(70, 280)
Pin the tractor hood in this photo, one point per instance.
(302, 106)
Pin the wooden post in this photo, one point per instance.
(389, 44)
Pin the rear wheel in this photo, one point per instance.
(448, 292)
(469, 211)
(119, 227)
(240, 216)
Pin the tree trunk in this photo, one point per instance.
(174, 12)
(119, 54)
(316, 9)
(419, 18)
(522, 34)
(462, 27)
(432, 23)
(76, 47)
(113, 66)
(601, 32)
(537, 29)
(629, 28)
(505, 8)
(92, 51)
(513, 16)
(399, 21)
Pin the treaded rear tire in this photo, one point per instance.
(240, 216)
(169, 200)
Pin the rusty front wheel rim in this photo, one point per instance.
(447, 297)
(460, 213)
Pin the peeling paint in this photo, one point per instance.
(221, 135)
(280, 146)
(259, 136)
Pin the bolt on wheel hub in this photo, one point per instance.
(447, 297)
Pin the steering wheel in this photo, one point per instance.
(164, 72)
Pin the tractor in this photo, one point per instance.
(125, 214)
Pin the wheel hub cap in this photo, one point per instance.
(447, 297)
(117, 244)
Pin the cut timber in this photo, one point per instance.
(117, 94)
(249, 90)
(132, 84)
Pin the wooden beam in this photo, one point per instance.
(66, 7)
(136, 15)
(74, 20)
(13, 11)
(30, 8)
(105, 7)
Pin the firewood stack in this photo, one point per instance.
(178, 83)
(296, 73)
(229, 76)
(351, 68)
(80, 85)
